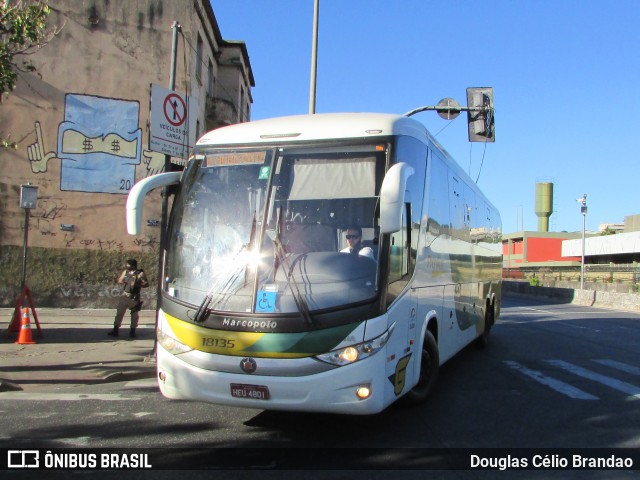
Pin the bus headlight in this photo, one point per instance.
(354, 353)
(172, 345)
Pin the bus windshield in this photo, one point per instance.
(264, 231)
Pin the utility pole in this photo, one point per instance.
(167, 167)
(167, 161)
(583, 210)
(314, 58)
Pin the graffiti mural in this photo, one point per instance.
(153, 161)
(99, 144)
(38, 159)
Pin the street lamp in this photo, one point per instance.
(583, 210)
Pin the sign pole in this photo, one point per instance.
(165, 195)
(23, 280)
(28, 200)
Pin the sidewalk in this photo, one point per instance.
(75, 349)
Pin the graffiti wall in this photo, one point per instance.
(97, 149)
(84, 164)
(81, 123)
(84, 153)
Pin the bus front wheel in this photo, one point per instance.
(429, 366)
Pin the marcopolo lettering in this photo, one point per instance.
(249, 323)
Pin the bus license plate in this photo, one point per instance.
(255, 392)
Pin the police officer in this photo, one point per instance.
(132, 279)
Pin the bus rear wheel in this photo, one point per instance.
(489, 319)
(429, 366)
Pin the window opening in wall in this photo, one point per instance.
(210, 80)
(199, 49)
(241, 106)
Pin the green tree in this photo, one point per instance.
(23, 31)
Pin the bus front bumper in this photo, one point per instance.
(333, 391)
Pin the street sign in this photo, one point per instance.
(28, 196)
(449, 108)
(480, 116)
(169, 122)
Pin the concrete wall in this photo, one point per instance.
(597, 298)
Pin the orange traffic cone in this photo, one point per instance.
(25, 337)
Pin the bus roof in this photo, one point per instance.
(327, 126)
(321, 126)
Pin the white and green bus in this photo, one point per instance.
(260, 305)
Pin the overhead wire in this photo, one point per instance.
(482, 162)
(470, 149)
(483, 154)
(442, 129)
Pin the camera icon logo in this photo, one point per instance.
(23, 459)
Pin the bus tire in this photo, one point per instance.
(429, 367)
(489, 319)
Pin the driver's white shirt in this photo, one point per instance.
(364, 251)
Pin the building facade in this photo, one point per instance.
(612, 260)
(82, 122)
(529, 251)
(615, 249)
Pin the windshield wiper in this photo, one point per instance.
(281, 257)
(203, 310)
(250, 245)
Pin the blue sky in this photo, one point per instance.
(566, 79)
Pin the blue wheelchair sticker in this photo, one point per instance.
(266, 301)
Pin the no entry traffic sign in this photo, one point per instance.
(169, 122)
(175, 109)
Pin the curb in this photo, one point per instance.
(99, 378)
(126, 376)
(146, 369)
(149, 371)
(6, 386)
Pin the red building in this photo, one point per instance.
(532, 250)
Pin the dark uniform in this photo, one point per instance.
(133, 280)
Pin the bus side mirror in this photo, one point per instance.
(392, 195)
(135, 200)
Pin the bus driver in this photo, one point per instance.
(354, 239)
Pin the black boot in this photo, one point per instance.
(113, 332)
(132, 333)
